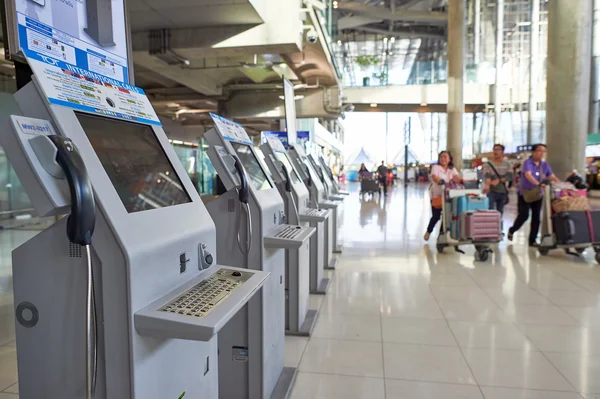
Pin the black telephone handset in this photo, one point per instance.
(288, 183)
(81, 221)
(321, 176)
(244, 190)
(309, 180)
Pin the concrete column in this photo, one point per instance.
(568, 83)
(534, 55)
(477, 31)
(594, 117)
(499, 62)
(456, 67)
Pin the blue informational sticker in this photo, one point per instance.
(230, 130)
(240, 353)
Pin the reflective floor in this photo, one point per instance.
(401, 321)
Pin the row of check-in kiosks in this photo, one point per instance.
(127, 296)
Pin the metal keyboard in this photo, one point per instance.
(290, 232)
(316, 212)
(206, 295)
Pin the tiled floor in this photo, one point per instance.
(401, 321)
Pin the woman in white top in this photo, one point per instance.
(446, 171)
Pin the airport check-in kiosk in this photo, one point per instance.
(317, 198)
(339, 199)
(297, 203)
(335, 188)
(252, 233)
(325, 179)
(136, 313)
(330, 188)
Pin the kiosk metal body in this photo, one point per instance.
(160, 297)
(253, 237)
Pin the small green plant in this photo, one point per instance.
(365, 61)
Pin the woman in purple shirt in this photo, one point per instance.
(533, 172)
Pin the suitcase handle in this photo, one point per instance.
(571, 229)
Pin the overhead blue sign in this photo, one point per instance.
(303, 136)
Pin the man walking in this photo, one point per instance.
(382, 171)
(498, 172)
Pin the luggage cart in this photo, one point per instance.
(482, 248)
(369, 186)
(549, 240)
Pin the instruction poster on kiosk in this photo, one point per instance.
(77, 50)
(83, 33)
(87, 91)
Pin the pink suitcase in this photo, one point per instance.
(482, 225)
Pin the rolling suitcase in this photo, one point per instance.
(482, 225)
(462, 204)
(572, 227)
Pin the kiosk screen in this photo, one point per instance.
(255, 172)
(135, 163)
(286, 162)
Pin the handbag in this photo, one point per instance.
(532, 194)
(506, 199)
(437, 202)
(570, 200)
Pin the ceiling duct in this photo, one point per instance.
(160, 47)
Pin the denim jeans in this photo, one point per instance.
(497, 201)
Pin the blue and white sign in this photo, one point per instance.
(275, 143)
(230, 130)
(66, 30)
(281, 136)
(34, 126)
(78, 53)
(69, 86)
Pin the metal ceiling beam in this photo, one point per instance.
(355, 21)
(409, 34)
(380, 14)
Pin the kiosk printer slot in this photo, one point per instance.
(158, 296)
(252, 233)
(335, 186)
(295, 197)
(316, 191)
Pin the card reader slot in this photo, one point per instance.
(201, 307)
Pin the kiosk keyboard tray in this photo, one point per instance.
(288, 236)
(200, 308)
(315, 215)
(203, 297)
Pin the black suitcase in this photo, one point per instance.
(571, 228)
